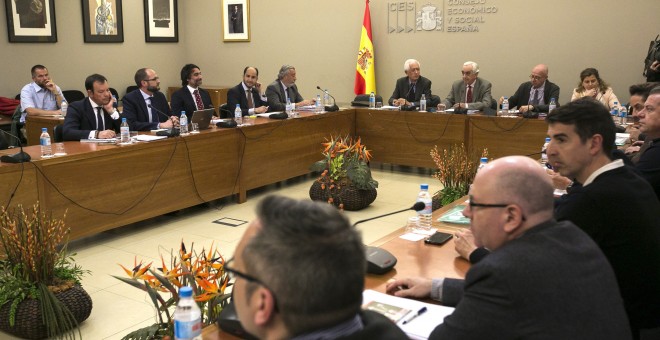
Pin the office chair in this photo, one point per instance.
(73, 95)
(58, 134)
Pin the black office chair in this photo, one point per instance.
(73, 95)
(128, 90)
(58, 134)
(224, 112)
(16, 128)
(363, 100)
(114, 93)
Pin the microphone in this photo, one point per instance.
(334, 106)
(226, 124)
(408, 107)
(281, 115)
(173, 132)
(381, 261)
(19, 157)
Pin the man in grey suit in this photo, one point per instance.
(409, 89)
(284, 87)
(470, 92)
(543, 279)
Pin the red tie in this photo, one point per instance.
(198, 100)
(249, 99)
(469, 94)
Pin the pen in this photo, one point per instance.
(412, 317)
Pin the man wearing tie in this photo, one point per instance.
(190, 97)
(535, 95)
(470, 92)
(146, 108)
(247, 94)
(409, 89)
(283, 88)
(93, 117)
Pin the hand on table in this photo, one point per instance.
(416, 287)
(106, 134)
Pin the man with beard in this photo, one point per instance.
(146, 107)
(247, 94)
(190, 97)
(93, 117)
(41, 96)
(283, 88)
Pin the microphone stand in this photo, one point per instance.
(19, 157)
(334, 106)
(173, 132)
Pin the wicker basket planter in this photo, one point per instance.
(28, 323)
(352, 199)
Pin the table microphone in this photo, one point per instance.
(381, 261)
(172, 132)
(19, 157)
(231, 123)
(334, 106)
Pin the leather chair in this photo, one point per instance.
(58, 134)
(363, 100)
(224, 112)
(73, 95)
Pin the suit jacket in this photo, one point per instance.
(183, 100)
(423, 86)
(80, 120)
(237, 95)
(550, 283)
(137, 115)
(277, 98)
(481, 96)
(521, 97)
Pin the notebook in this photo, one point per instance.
(202, 118)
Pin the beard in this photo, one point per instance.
(153, 88)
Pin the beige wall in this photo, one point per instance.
(320, 38)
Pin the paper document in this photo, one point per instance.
(267, 114)
(470, 112)
(100, 141)
(621, 138)
(455, 215)
(422, 326)
(149, 138)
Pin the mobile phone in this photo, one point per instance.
(439, 238)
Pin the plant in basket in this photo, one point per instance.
(203, 272)
(457, 167)
(40, 290)
(345, 179)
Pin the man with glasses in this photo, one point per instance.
(299, 272)
(408, 90)
(470, 92)
(534, 95)
(543, 278)
(146, 107)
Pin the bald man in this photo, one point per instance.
(543, 277)
(534, 95)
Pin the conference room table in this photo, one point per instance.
(106, 186)
(414, 258)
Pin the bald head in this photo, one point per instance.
(519, 180)
(539, 75)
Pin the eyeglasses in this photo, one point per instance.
(535, 77)
(474, 204)
(233, 274)
(467, 73)
(153, 79)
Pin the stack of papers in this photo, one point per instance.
(621, 138)
(455, 215)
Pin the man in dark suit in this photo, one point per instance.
(190, 97)
(582, 138)
(284, 87)
(470, 92)
(543, 279)
(247, 94)
(93, 117)
(535, 95)
(409, 89)
(146, 107)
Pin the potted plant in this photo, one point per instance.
(40, 290)
(345, 179)
(457, 167)
(203, 272)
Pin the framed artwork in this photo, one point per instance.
(236, 20)
(103, 21)
(161, 21)
(31, 21)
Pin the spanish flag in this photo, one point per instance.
(365, 73)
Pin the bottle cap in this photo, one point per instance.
(424, 187)
(484, 159)
(44, 130)
(185, 292)
(547, 139)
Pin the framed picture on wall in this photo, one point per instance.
(161, 21)
(31, 20)
(236, 20)
(102, 21)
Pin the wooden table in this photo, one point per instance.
(414, 259)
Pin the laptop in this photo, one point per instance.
(202, 118)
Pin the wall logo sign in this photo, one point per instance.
(451, 16)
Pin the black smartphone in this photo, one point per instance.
(438, 238)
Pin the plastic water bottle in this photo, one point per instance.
(319, 105)
(552, 105)
(288, 107)
(623, 115)
(63, 107)
(187, 317)
(124, 132)
(544, 148)
(505, 107)
(422, 103)
(183, 124)
(372, 100)
(482, 163)
(44, 141)
(615, 111)
(326, 98)
(238, 115)
(425, 214)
